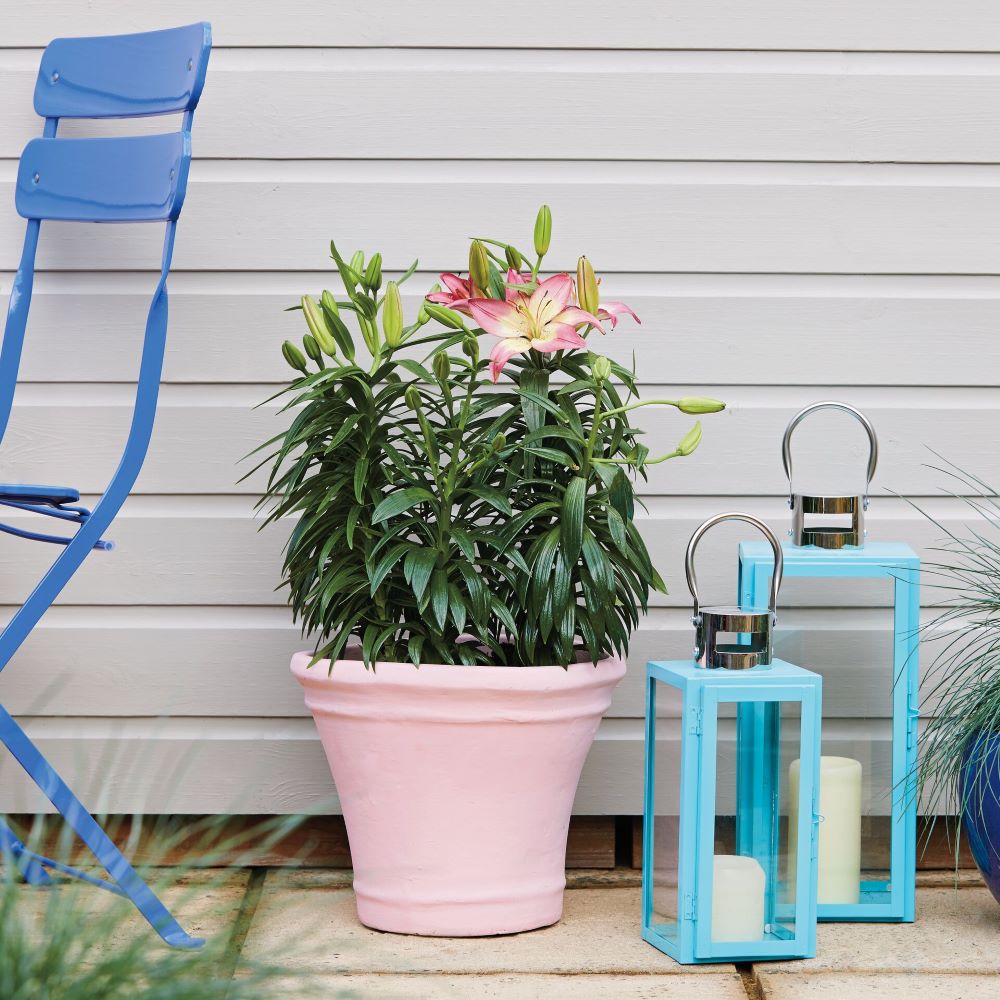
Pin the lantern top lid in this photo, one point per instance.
(885, 555)
(778, 673)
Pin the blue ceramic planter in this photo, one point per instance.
(981, 813)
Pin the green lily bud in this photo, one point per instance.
(601, 368)
(373, 273)
(422, 314)
(412, 397)
(470, 348)
(690, 441)
(318, 326)
(586, 286)
(543, 230)
(445, 316)
(329, 303)
(312, 348)
(499, 442)
(479, 265)
(358, 262)
(513, 258)
(294, 356)
(699, 404)
(392, 315)
(441, 365)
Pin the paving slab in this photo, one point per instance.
(512, 987)
(956, 931)
(204, 901)
(314, 927)
(897, 986)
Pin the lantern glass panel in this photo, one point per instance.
(854, 655)
(666, 812)
(754, 862)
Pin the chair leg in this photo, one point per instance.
(30, 869)
(87, 828)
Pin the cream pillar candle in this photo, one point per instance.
(839, 829)
(737, 898)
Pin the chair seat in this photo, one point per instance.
(26, 493)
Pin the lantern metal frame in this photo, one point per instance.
(743, 674)
(893, 900)
(758, 693)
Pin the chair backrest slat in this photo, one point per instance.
(124, 76)
(135, 178)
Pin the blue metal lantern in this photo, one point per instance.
(732, 752)
(867, 840)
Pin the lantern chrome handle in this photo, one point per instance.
(692, 580)
(829, 404)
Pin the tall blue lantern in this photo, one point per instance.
(732, 756)
(867, 839)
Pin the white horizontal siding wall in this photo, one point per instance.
(801, 201)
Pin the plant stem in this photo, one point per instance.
(592, 439)
(645, 402)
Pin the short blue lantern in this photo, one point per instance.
(732, 756)
(868, 807)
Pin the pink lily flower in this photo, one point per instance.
(457, 295)
(546, 320)
(612, 311)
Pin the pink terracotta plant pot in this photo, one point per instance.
(456, 785)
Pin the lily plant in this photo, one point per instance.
(454, 508)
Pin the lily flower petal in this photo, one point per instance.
(563, 338)
(455, 284)
(577, 317)
(503, 351)
(459, 291)
(558, 289)
(612, 311)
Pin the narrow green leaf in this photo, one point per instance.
(464, 542)
(477, 593)
(386, 564)
(501, 611)
(414, 647)
(397, 503)
(439, 596)
(552, 455)
(571, 519)
(352, 521)
(360, 479)
(419, 565)
(616, 527)
(561, 587)
(493, 497)
(456, 606)
(415, 368)
(620, 494)
(541, 565)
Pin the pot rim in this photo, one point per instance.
(456, 675)
(455, 693)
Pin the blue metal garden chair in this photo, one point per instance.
(120, 179)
